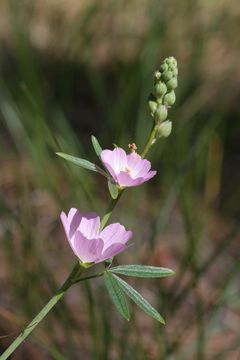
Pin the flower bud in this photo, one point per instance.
(161, 113)
(171, 61)
(160, 88)
(165, 82)
(167, 75)
(157, 75)
(175, 72)
(152, 105)
(172, 83)
(165, 129)
(164, 66)
(169, 98)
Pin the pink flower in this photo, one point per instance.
(127, 170)
(90, 244)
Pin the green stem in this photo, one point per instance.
(110, 209)
(77, 270)
(77, 280)
(150, 142)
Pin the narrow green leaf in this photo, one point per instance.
(83, 163)
(96, 145)
(112, 189)
(139, 300)
(116, 295)
(142, 271)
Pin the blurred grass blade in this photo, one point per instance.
(96, 145)
(116, 295)
(82, 163)
(139, 300)
(142, 271)
(112, 189)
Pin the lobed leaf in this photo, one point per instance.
(96, 145)
(82, 163)
(139, 300)
(116, 294)
(142, 271)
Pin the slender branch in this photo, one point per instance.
(88, 277)
(41, 315)
(110, 209)
(150, 142)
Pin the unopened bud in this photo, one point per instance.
(160, 88)
(172, 83)
(167, 75)
(170, 98)
(165, 82)
(164, 66)
(165, 129)
(152, 105)
(161, 113)
(171, 61)
(157, 75)
(175, 72)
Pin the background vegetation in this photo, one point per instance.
(69, 69)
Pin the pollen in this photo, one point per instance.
(127, 170)
(132, 147)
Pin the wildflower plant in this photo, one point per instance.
(91, 239)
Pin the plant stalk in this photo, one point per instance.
(150, 142)
(74, 276)
(77, 270)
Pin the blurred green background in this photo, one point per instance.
(69, 69)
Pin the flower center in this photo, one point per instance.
(127, 170)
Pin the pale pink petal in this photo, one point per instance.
(72, 213)
(114, 233)
(66, 226)
(134, 160)
(105, 155)
(70, 221)
(74, 220)
(150, 175)
(124, 179)
(113, 250)
(139, 167)
(114, 160)
(120, 159)
(65, 223)
(89, 225)
(87, 250)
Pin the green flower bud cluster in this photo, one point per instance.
(164, 95)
